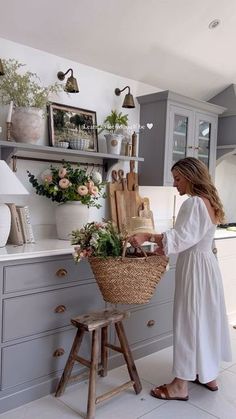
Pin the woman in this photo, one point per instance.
(200, 329)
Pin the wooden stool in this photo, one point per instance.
(92, 323)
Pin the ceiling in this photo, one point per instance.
(164, 43)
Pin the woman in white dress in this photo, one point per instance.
(200, 326)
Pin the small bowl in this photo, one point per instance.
(62, 144)
(79, 144)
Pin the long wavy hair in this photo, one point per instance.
(200, 183)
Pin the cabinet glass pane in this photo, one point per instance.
(204, 137)
(179, 137)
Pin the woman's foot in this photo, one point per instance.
(176, 390)
(211, 385)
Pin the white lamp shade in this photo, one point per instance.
(9, 185)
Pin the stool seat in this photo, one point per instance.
(94, 323)
(99, 319)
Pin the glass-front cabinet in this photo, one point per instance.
(181, 127)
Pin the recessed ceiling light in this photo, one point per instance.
(214, 24)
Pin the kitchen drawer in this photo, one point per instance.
(149, 322)
(42, 274)
(35, 313)
(36, 358)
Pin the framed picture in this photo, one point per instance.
(73, 125)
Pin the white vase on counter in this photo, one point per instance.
(71, 215)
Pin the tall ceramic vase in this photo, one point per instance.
(71, 215)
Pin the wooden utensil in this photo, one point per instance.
(132, 177)
(113, 186)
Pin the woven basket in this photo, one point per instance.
(128, 280)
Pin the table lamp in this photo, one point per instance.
(9, 185)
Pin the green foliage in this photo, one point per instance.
(62, 184)
(25, 89)
(97, 239)
(114, 121)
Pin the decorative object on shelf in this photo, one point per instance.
(71, 84)
(112, 123)
(29, 99)
(72, 186)
(122, 278)
(2, 72)
(79, 143)
(10, 185)
(128, 100)
(67, 123)
(62, 144)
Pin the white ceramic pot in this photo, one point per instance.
(114, 142)
(27, 125)
(71, 215)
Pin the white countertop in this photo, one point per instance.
(54, 247)
(46, 247)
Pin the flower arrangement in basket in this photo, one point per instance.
(123, 277)
(65, 183)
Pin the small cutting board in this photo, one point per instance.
(132, 177)
(115, 185)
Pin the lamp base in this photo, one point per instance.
(5, 224)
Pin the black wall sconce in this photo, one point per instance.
(71, 83)
(2, 72)
(128, 100)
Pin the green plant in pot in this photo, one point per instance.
(113, 123)
(23, 90)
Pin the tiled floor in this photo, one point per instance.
(153, 369)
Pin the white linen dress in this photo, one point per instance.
(201, 331)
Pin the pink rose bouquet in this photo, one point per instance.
(66, 183)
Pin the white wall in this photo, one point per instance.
(225, 179)
(96, 93)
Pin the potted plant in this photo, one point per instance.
(113, 123)
(74, 190)
(24, 91)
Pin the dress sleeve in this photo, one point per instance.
(191, 225)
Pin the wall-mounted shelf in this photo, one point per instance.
(8, 149)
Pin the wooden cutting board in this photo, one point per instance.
(132, 177)
(115, 185)
(145, 211)
(127, 205)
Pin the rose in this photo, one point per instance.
(62, 172)
(47, 178)
(82, 190)
(93, 190)
(64, 183)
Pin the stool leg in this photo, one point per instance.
(128, 357)
(92, 376)
(104, 351)
(70, 363)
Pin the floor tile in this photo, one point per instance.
(45, 408)
(178, 410)
(126, 405)
(220, 403)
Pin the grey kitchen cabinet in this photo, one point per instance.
(173, 127)
(38, 298)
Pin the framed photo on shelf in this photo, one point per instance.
(76, 126)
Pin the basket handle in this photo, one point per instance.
(125, 248)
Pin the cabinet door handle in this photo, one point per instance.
(196, 148)
(190, 146)
(58, 352)
(61, 272)
(150, 323)
(214, 250)
(60, 309)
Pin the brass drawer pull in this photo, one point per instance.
(60, 309)
(58, 352)
(150, 323)
(61, 272)
(214, 250)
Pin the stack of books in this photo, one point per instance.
(21, 228)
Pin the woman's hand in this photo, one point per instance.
(138, 239)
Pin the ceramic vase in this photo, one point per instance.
(27, 125)
(71, 215)
(114, 142)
